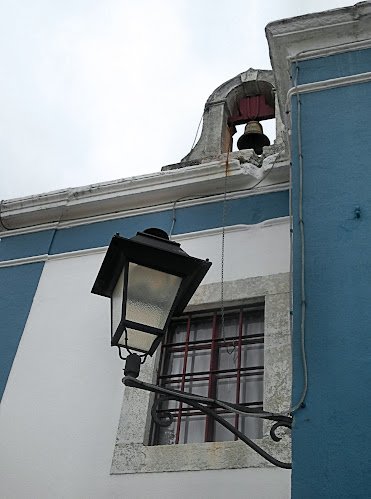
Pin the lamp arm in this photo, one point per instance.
(196, 401)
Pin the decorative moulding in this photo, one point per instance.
(70, 206)
(315, 35)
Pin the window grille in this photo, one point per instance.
(196, 358)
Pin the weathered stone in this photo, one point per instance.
(133, 455)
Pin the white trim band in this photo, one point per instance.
(327, 84)
(23, 261)
(47, 258)
(178, 238)
(332, 50)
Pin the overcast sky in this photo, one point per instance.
(95, 90)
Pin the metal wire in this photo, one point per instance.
(302, 242)
(223, 254)
(197, 402)
(198, 128)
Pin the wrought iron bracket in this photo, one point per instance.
(207, 405)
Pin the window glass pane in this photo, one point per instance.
(201, 329)
(170, 404)
(226, 389)
(252, 355)
(199, 387)
(251, 389)
(222, 381)
(251, 427)
(222, 434)
(231, 323)
(192, 429)
(198, 361)
(228, 357)
(174, 363)
(253, 323)
(177, 332)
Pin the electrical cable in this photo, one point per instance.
(198, 128)
(302, 241)
(203, 196)
(223, 251)
(223, 238)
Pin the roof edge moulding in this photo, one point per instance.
(200, 175)
(142, 192)
(313, 36)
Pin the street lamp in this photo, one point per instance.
(149, 280)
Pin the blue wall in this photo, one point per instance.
(331, 443)
(334, 66)
(18, 287)
(19, 282)
(248, 210)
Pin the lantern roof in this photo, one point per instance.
(151, 248)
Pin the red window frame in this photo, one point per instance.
(214, 344)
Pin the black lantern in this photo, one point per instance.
(149, 279)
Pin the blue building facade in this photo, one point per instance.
(68, 426)
(20, 277)
(64, 414)
(327, 103)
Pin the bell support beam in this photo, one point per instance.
(251, 108)
(206, 406)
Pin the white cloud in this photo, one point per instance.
(95, 90)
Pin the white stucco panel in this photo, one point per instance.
(250, 250)
(60, 411)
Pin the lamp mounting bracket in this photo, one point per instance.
(208, 406)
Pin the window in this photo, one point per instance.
(134, 450)
(197, 358)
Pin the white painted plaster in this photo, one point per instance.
(250, 251)
(60, 410)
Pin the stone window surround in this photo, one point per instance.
(132, 455)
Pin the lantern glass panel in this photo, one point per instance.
(150, 295)
(137, 340)
(116, 303)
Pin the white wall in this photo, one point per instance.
(250, 250)
(60, 410)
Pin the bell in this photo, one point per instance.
(253, 138)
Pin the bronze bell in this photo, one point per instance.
(253, 138)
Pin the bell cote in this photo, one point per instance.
(248, 98)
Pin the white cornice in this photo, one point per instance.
(232, 228)
(326, 51)
(179, 238)
(23, 261)
(326, 84)
(135, 195)
(315, 35)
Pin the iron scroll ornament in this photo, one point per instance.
(207, 405)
